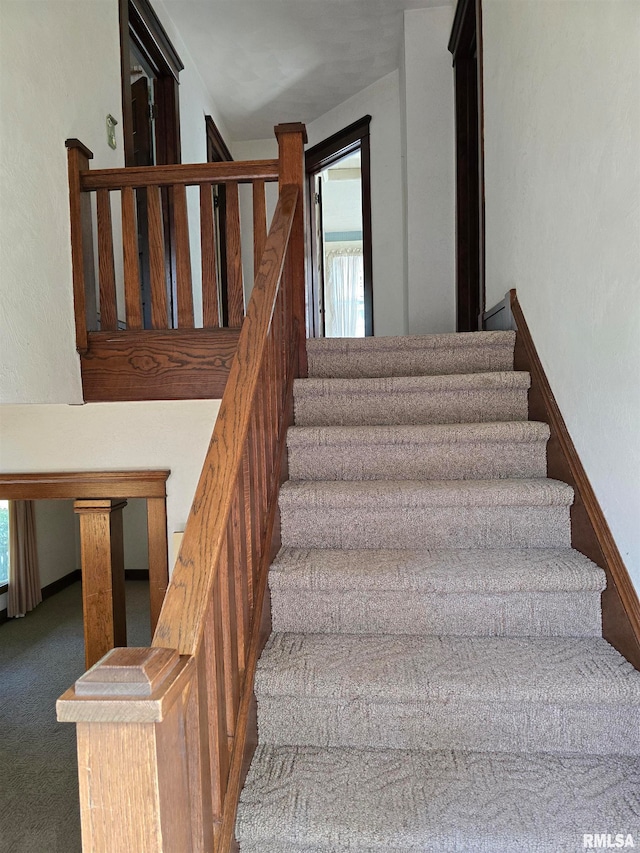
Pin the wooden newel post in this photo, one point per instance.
(102, 557)
(82, 261)
(129, 712)
(291, 142)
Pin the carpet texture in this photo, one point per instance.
(436, 679)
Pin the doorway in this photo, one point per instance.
(340, 298)
(466, 46)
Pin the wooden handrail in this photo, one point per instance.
(181, 174)
(182, 615)
(162, 771)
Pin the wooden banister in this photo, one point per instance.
(207, 640)
(184, 174)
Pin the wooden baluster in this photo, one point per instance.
(132, 293)
(199, 757)
(226, 576)
(183, 258)
(158, 556)
(106, 267)
(240, 578)
(102, 556)
(132, 753)
(291, 141)
(254, 500)
(235, 293)
(217, 726)
(259, 224)
(159, 312)
(78, 156)
(210, 309)
(249, 532)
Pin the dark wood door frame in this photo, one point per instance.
(466, 46)
(355, 137)
(218, 152)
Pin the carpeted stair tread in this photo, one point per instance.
(466, 398)
(411, 355)
(510, 694)
(548, 593)
(301, 799)
(436, 571)
(383, 668)
(349, 495)
(427, 451)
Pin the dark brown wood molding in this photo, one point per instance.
(590, 533)
(75, 143)
(337, 146)
(191, 364)
(144, 16)
(217, 149)
(458, 27)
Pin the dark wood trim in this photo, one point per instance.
(62, 583)
(144, 19)
(75, 143)
(176, 364)
(217, 150)
(590, 533)
(465, 44)
(319, 157)
(67, 485)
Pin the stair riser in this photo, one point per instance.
(389, 409)
(476, 726)
(430, 527)
(405, 612)
(490, 461)
(425, 363)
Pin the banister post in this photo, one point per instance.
(84, 286)
(130, 715)
(291, 142)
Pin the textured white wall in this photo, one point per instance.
(428, 113)
(562, 173)
(56, 539)
(382, 102)
(59, 77)
(113, 436)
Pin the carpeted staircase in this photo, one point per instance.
(436, 679)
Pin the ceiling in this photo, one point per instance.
(271, 61)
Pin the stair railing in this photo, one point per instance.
(164, 732)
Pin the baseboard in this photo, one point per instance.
(590, 533)
(62, 583)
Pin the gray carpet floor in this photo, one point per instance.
(437, 679)
(41, 656)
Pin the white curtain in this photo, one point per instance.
(344, 294)
(24, 573)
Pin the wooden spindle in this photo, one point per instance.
(210, 308)
(159, 312)
(235, 293)
(106, 266)
(259, 224)
(229, 635)
(132, 293)
(249, 532)
(183, 258)
(216, 714)
(240, 570)
(198, 756)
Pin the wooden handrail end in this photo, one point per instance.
(128, 685)
(75, 143)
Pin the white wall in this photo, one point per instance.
(428, 115)
(381, 101)
(59, 77)
(562, 174)
(113, 436)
